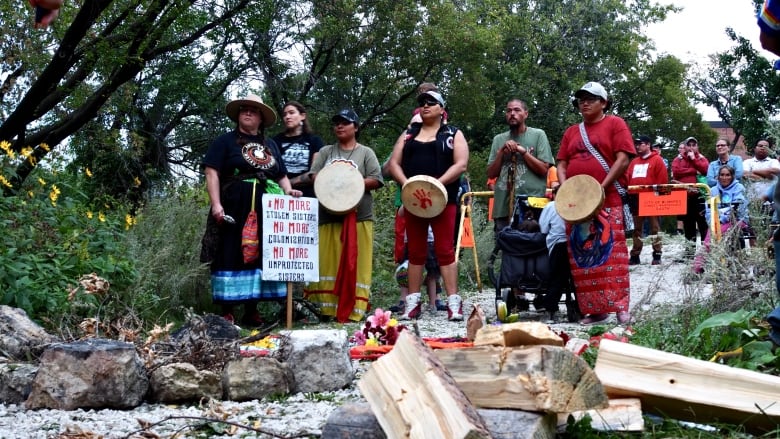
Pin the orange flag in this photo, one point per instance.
(467, 238)
(490, 209)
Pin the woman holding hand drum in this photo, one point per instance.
(600, 147)
(427, 161)
(344, 176)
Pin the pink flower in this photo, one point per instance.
(360, 338)
(380, 318)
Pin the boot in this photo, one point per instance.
(412, 307)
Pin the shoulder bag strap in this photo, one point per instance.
(598, 157)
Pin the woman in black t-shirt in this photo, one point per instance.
(299, 146)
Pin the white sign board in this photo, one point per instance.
(290, 239)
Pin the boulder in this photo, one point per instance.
(94, 373)
(21, 339)
(16, 382)
(319, 359)
(182, 382)
(256, 377)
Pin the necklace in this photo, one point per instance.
(341, 156)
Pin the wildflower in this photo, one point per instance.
(89, 214)
(102, 217)
(5, 181)
(54, 194)
(41, 181)
(137, 181)
(45, 147)
(129, 221)
(88, 172)
(30, 194)
(6, 146)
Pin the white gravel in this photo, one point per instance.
(303, 415)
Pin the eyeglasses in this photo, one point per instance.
(427, 103)
(588, 99)
(252, 110)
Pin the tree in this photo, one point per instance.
(742, 87)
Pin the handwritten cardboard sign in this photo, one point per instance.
(655, 204)
(290, 239)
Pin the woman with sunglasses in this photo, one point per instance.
(438, 150)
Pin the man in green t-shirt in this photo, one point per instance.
(532, 158)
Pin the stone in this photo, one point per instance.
(256, 377)
(319, 359)
(21, 339)
(210, 325)
(16, 382)
(93, 373)
(182, 382)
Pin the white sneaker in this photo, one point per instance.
(412, 308)
(454, 308)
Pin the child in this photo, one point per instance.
(552, 225)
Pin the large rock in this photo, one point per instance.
(181, 382)
(319, 359)
(93, 373)
(256, 377)
(20, 338)
(16, 382)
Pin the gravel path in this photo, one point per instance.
(303, 415)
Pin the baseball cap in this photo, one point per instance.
(593, 88)
(346, 114)
(642, 139)
(691, 139)
(433, 94)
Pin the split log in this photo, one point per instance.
(535, 378)
(517, 334)
(688, 389)
(412, 395)
(623, 414)
(357, 421)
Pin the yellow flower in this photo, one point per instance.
(392, 322)
(88, 172)
(54, 194)
(89, 214)
(42, 181)
(129, 221)
(30, 194)
(5, 182)
(137, 181)
(45, 147)
(102, 217)
(6, 146)
(26, 151)
(372, 342)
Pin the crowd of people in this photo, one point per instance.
(590, 254)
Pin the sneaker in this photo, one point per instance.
(634, 260)
(623, 317)
(412, 308)
(454, 308)
(397, 308)
(440, 305)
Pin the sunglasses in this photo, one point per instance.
(427, 102)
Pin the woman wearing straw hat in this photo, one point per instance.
(238, 165)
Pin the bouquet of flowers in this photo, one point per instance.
(380, 329)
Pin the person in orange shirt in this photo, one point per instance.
(552, 181)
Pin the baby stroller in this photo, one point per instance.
(525, 265)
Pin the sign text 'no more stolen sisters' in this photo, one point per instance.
(290, 239)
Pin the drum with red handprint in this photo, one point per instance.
(424, 196)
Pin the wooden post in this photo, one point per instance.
(289, 305)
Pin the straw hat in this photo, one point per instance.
(269, 115)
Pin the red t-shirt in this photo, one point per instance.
(608, 136)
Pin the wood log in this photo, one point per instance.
(535, 378)
(684, 388)
(623, 414)
(412, 395)
(517, 334)
(357, 421)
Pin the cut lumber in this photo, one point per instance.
(412, 395)
(623, 414)
(357, 421)
(535, 378)
(688, 389)
(517, 334)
